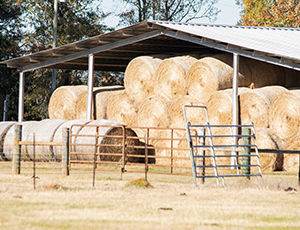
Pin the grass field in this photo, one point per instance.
(172, 203)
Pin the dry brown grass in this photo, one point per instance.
(172, 203)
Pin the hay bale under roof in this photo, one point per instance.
(121, 108)
(171, 77)
(266, 139)
(153, 112)
(139, 77)
(176, 111)
(109, 129)
(58, 136)
(285, 114)
(81, 102)
(291, 161)
(265, 74)
(63, 101)
(211, 74)
(255, 105)
(102, 99)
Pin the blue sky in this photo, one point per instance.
(229, 14)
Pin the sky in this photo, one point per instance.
(229, 14)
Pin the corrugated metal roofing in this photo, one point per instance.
(114, 50)
(277, 41)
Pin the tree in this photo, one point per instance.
(77, 20)
(271, 13)
(10, 35)
(168, 10)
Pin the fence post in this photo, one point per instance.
(201, 160)
(16, 164)
(65, 152)
(246, 151)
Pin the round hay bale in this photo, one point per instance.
(8, 145)
(162, 145)
(182, 152)
(4, 127)
(176, 111)
(153, 112)
(292, 78)
(291, 161)
(63, 101)
(101, 101)
(219, 107)
(44, 132)
(58, 136)
(112, 129)
(255, 105)
(139, 77)
(285, 114)
(81, 102)
(264, 74)
(211, 74)
(122, 109)
(171, 76)
(265, 139)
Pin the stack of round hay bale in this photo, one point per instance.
(51, 130)
(156, 89)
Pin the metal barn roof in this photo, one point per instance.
(114, 50)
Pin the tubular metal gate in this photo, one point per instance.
(219, 139)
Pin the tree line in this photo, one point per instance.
(27, 27)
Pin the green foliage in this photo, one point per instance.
(272, 13)
(77, 20)
(168, 10)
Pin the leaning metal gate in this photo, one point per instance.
(216, 140)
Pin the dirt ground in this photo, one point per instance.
(171, 203)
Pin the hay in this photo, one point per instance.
(4, 127)
(63, 101)
(58, 136)
(153, 112)
(8, 145)
(211, 74)
(139, 77)
(171, 76)
(162, 144)
(291, 161)
(44, 132)
(122, 109)
(117, 141)
(264, 74)
(219, 108)
(292, 78)
(101, 100)
(255, 105)
(265, 139)
(176, 111)
(285, 114)
(81, 102)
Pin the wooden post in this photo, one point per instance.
(16, 164)
(65, 152)
(246, 151)
(146, 155)
(201, 160)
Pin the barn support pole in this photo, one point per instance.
(21, 96)
(90, 87)
(235, 107)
